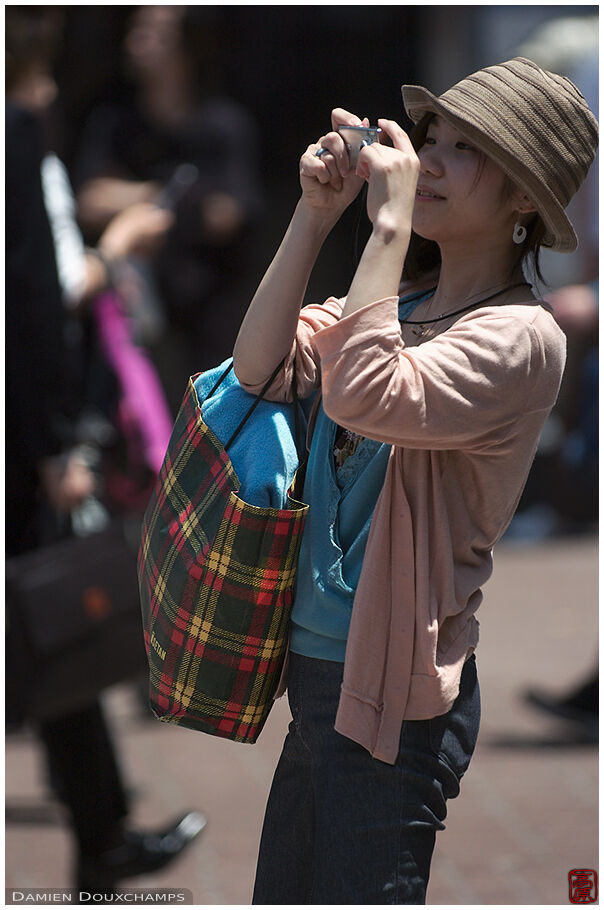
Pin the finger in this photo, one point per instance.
(370, 157)
(339, 116)
(313, 167)
(396, 133)
(332, 167)
(364, 162)
(322, 169)
(336, 146)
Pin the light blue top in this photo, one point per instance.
(334, 540)
(342, 503)
(264, 454)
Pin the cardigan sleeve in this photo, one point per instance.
(463, 389)
(313, 318)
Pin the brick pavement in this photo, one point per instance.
(528, 809)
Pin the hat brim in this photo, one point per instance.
(560, 234)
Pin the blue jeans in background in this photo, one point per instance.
(342, 827)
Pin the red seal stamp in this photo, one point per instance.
(582, 886)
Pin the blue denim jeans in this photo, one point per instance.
(342, 827)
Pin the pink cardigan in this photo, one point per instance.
(463, 413)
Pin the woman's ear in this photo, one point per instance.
(522, 203)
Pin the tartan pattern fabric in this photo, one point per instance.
(216, 579)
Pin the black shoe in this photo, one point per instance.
(140, 852)
(584, 714)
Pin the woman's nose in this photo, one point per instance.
(429, 161)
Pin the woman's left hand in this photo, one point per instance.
(392, 174)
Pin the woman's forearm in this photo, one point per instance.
(378, 273)
(269, 326)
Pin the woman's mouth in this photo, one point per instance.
(423, 193)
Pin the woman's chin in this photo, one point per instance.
(423, 231)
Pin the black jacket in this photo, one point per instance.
(36, 382)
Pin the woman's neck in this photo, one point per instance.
(466, 274)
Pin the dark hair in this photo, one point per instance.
(200, 42)
(31, 36)
(424, 255)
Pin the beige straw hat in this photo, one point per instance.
(534, 124)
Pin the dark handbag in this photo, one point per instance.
(216, 581)
(74, 620)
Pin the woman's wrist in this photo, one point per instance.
(391, 229)
(317, 222)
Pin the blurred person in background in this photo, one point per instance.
(434, 391)
(129, 152)
(44, 470)
(568, 487)
(562, 492)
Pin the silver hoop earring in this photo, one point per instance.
(519, 235)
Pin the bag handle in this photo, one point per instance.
(259, 398)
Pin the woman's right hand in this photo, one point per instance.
(328, 183)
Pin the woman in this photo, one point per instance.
(432, 406)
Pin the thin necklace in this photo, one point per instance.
(421, 329)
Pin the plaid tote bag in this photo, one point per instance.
(216, 577)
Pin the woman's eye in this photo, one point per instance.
(429, 140)
(464, 146)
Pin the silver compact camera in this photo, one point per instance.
(356, 138)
